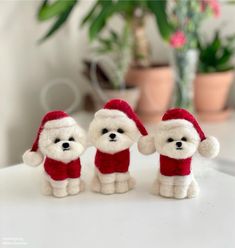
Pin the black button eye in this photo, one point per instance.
(170, 140)
(104, 131)
(71, 139)
(56, 140)
(184, 139)
(120, 130)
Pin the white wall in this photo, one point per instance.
(25, 67)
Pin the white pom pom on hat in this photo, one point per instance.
(53, 119)
(209, 146)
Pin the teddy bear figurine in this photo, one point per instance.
(178, 137)
(58, 145)
(114, 129)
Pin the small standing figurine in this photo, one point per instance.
(114, 129)
(178, 137)
(59, 145)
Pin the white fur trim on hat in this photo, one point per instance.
(112, 113)
(168, 124)
(63, 122)
(32, 158)
(209, 147)
(146, 145)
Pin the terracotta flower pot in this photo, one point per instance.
(210, 94)
(156, 85)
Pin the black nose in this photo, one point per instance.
(179, 144)
(112, 135)
(65, 145)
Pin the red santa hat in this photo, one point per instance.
(119, 108)
(52, 120)
(208, 147)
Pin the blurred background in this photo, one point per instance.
(75, 55)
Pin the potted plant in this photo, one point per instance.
(132, 12)
(214, 78)
(107, 71)
(186, 16)
(155, 83)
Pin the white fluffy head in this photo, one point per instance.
(63, 144)
(176, 139)
(112, 131)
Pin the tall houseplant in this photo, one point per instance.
(107, 71)
(133, 12)
(214, 78)
(140, 74)
(186, 17)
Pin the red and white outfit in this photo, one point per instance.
(113, 167)
(58, 174)
(175, 177)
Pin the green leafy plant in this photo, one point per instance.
(216, 55)
(117, 48)
(131, 11)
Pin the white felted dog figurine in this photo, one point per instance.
(59, 145)
(178, 137)
(114, 129)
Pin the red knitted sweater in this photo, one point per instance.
(58, 170)
(110, 163)
(175, 167)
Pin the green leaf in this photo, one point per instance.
(57, 24)
(159, 8)
(91, 13)
(100, 20)
(48, 11)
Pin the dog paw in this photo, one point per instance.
(108, 188)
(122, 187)
(131, 183)
(60, 192)
(180, 192)
(166, 190)
(193, 190)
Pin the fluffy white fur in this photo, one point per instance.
(167, 135)
(62, 130)
(177, 133)
(55, 151)
(70, 186)
(112, 183)
(209, 147)
(111, 113)
(33, 158)
(112, 120)
(64, 122)
(178, 187)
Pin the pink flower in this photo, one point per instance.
(178, 39)
(213, 5)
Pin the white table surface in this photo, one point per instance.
(136, 219)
